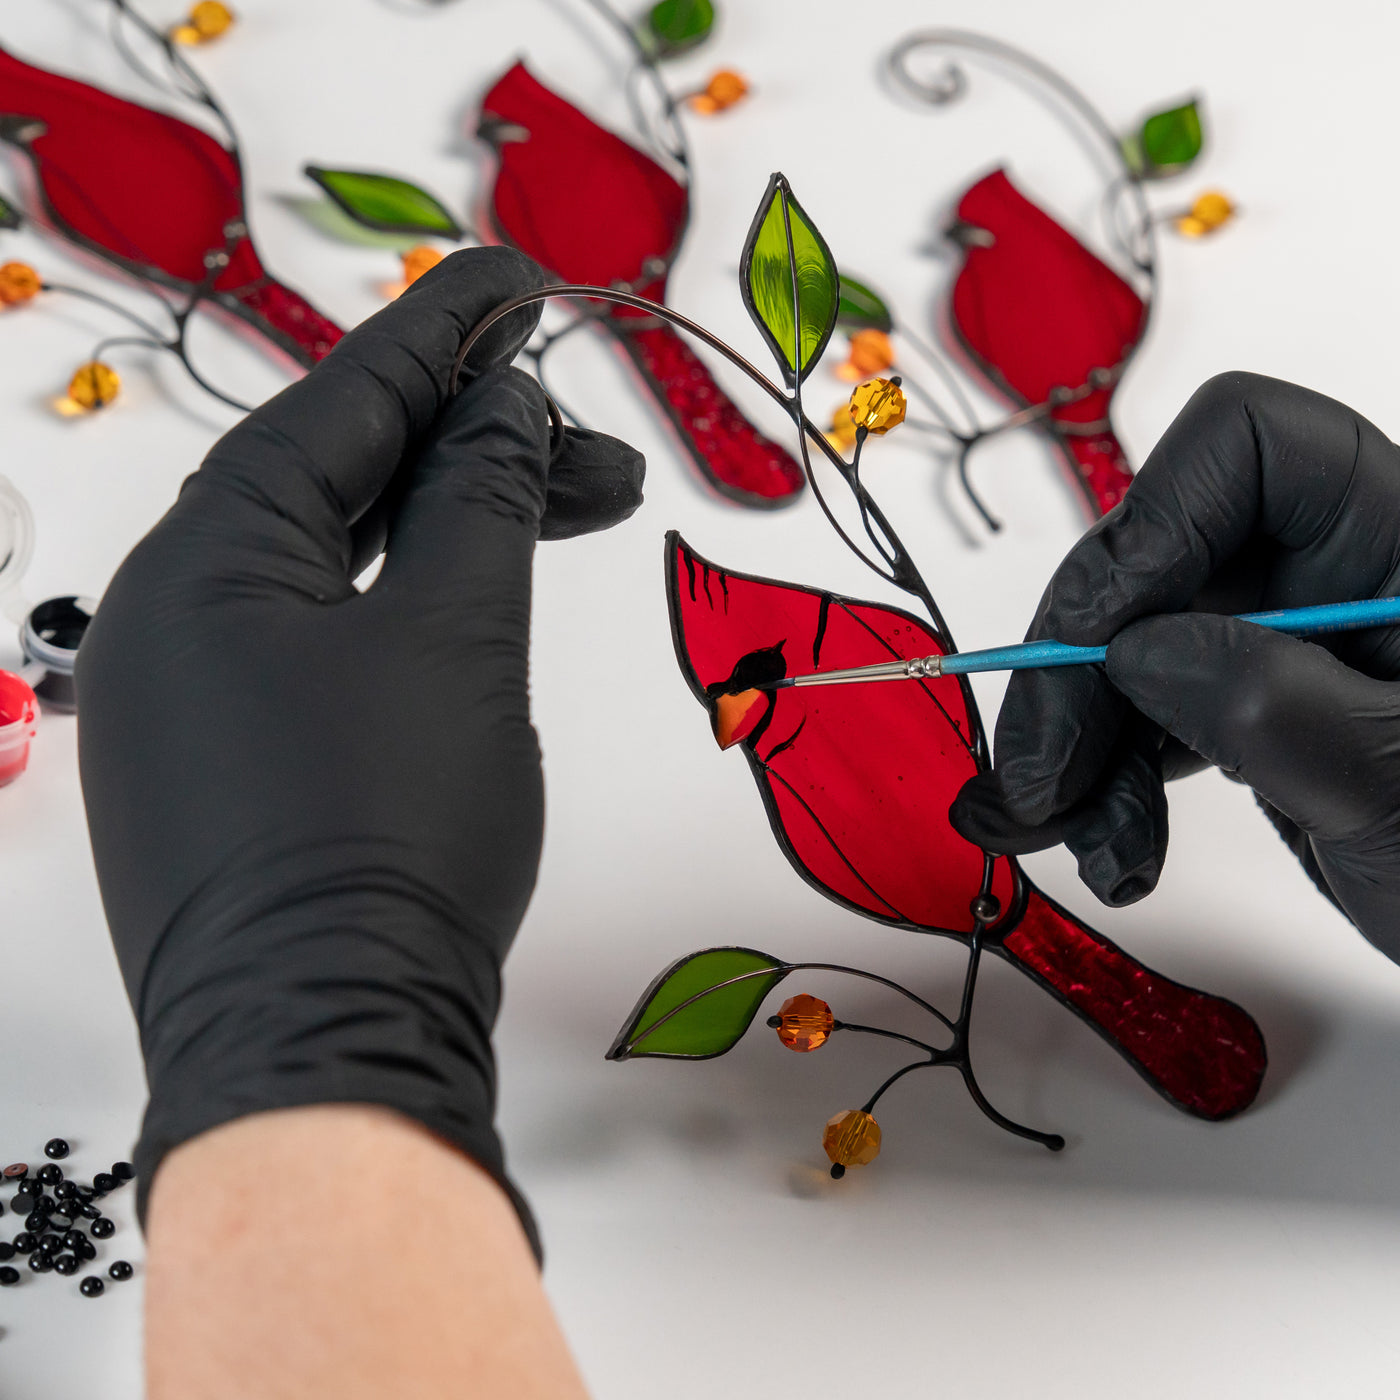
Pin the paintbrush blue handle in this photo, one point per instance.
(1300, 622)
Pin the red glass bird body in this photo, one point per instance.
(1047, 321)
(153, 195)
(593, 209)
(857, 781)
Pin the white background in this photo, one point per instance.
(696, 1247)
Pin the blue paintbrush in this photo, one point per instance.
(1299, 622)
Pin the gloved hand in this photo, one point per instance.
(316, 814)
(1261, 495)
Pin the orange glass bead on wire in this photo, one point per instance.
(725, 89)
(417, 261)
(207, 20)
(878, 406)
(1211, 211)
(871, 353)
(18, 283)
(805, 1023)
(851, 1139)
(93, 386)
(842, 432)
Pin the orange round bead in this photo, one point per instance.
(871, 353)
(723, 90)
(852, 1138)
(18, 282)
(419, 260)
(805, 1023)
(210, 18)
(94, 385)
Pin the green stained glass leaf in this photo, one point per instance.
(766, 280)
(1171, 140)
(860, 309)
(385, 203)
(10, 217)
(677, 25)
(700, 1006)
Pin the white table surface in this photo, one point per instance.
(696, 1247)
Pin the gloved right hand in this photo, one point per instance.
(1261, 495)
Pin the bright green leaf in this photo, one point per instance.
(10, 217)
(860, 309)
(677, 25)
(727, 985)
(1171, 140)
(766, 280)
(385, 203)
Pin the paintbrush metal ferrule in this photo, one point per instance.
(915, 668)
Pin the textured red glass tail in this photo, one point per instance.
(286, 318)
(730, 453)
(1099, 465)
(1202, 1052)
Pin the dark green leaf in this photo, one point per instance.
(766, 280)
(385, 203)
(667, 1023)
(10, 217)
(860, 309)
(1171, 140)
(677, 25)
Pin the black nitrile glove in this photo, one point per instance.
(1261, 495)
(316, 814)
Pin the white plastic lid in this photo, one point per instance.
(16, 548)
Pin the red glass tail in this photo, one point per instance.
(286, 318)
(1099, 464)
(1204, 1053)
(734, 457)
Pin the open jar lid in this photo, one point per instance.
(16, 547)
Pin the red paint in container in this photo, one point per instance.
(19, 719)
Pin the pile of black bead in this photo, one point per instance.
(55, 1210)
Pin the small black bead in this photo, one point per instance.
(88, 1250)
(8, 1276)
(56, 1148)
(123, 1171)
(36, 1222)
(91, 1287)
(74, 1239)
(24, 1242)
(104, 1182)
(986, 908)
(51, 1173)
(66, 1264)
(7, 1251)
(66, 1189)
(50, 1245)
(63, 1214)
(15, 1171)
(102, 1228)
(121, 1270)
(23, 1201)
(40, 1263)
(90, 1211)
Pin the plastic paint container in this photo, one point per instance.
(50, 637)
(19, 719)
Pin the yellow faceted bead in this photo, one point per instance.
(805, 1023)
(878, 406)
(723, 90)
(852, 1138)
(1211, 211)
(210, 19)
(419, 260)
(94, 385)
(18, 282)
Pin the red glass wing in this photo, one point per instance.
(592, 208)
(857, 781)
(1202, 1052)
(1040, 312)
(152, 194)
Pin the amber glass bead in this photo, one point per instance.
(18, 282)
(852, 1138)
(804, 1023)
(1211, 211)
(878, 406)
(842, 432)
(94, 385)
(723, 90)
(871, 353)
(419, 260)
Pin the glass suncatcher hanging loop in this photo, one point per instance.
(857, 780)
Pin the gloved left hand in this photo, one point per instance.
(316, 814)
